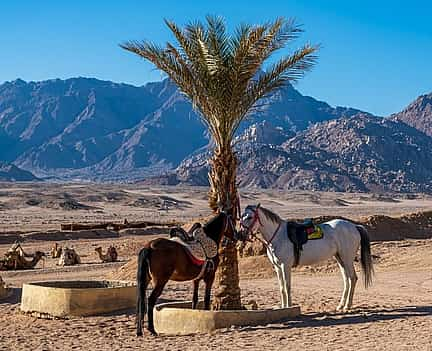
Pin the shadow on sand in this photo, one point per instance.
(314, 320)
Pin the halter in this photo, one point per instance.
(254, 220)
(253, 235)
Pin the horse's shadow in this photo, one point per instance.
(314, 320)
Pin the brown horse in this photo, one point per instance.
(162, 260)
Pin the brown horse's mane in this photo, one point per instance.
(213, 228)
(267, 213)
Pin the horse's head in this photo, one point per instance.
(249, 221)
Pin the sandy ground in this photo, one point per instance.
(395, 314)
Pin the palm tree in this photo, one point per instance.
(221, 74)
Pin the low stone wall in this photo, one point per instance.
(76, 298)
(177, 318)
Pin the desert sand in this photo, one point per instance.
(394, 314)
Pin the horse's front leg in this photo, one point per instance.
(195, 294)
(286, 274)
(208, 285)
(279, 275)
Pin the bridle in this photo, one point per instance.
(250, 233)
(255, 219)
(229, 224)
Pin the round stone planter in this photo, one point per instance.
(177, 318)
(76, 298)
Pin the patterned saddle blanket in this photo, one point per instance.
(314, 232)
(201, 247)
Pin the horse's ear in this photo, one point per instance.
(257, 206)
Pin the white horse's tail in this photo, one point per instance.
(366, 257)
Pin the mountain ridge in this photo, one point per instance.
(93, 128)
(90, 129)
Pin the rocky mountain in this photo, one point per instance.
(418, 114)
(358, 153)
(11, 173)
(90, 129)
(83, 128)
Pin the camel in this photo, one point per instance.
(24, 264)
(15, 258)
(56, 251)
(110, 256)
(15, 261)
(16, 247)
(68, 257)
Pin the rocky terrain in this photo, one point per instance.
(359, 153)
(86, 129)
(83, 128)
(418, 114)
(11, 173)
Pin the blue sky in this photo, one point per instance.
(375, 56)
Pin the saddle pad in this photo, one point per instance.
(195, 261)
(315, 232)
(201, 248)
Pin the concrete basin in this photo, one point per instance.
(77, 298)
(177, 318)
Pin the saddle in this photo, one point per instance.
(199, 246)
(300, 233)
(183, 234)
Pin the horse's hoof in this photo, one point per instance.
(152, 332)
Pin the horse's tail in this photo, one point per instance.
(366, 257)
(142, 281)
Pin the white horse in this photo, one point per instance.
(341, 240)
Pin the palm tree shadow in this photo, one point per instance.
(355, 317)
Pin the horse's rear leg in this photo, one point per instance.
(157, 291)
(352, 278)
(195, 294)
(345, 281)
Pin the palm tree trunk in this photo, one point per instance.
(223, 195)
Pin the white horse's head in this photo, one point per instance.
(250, 221)
(257, 218)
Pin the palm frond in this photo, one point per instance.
(221, 73)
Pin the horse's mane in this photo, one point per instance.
(267, 213)
(213, 228)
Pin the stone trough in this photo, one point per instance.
(77, 298)
(177, 318)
